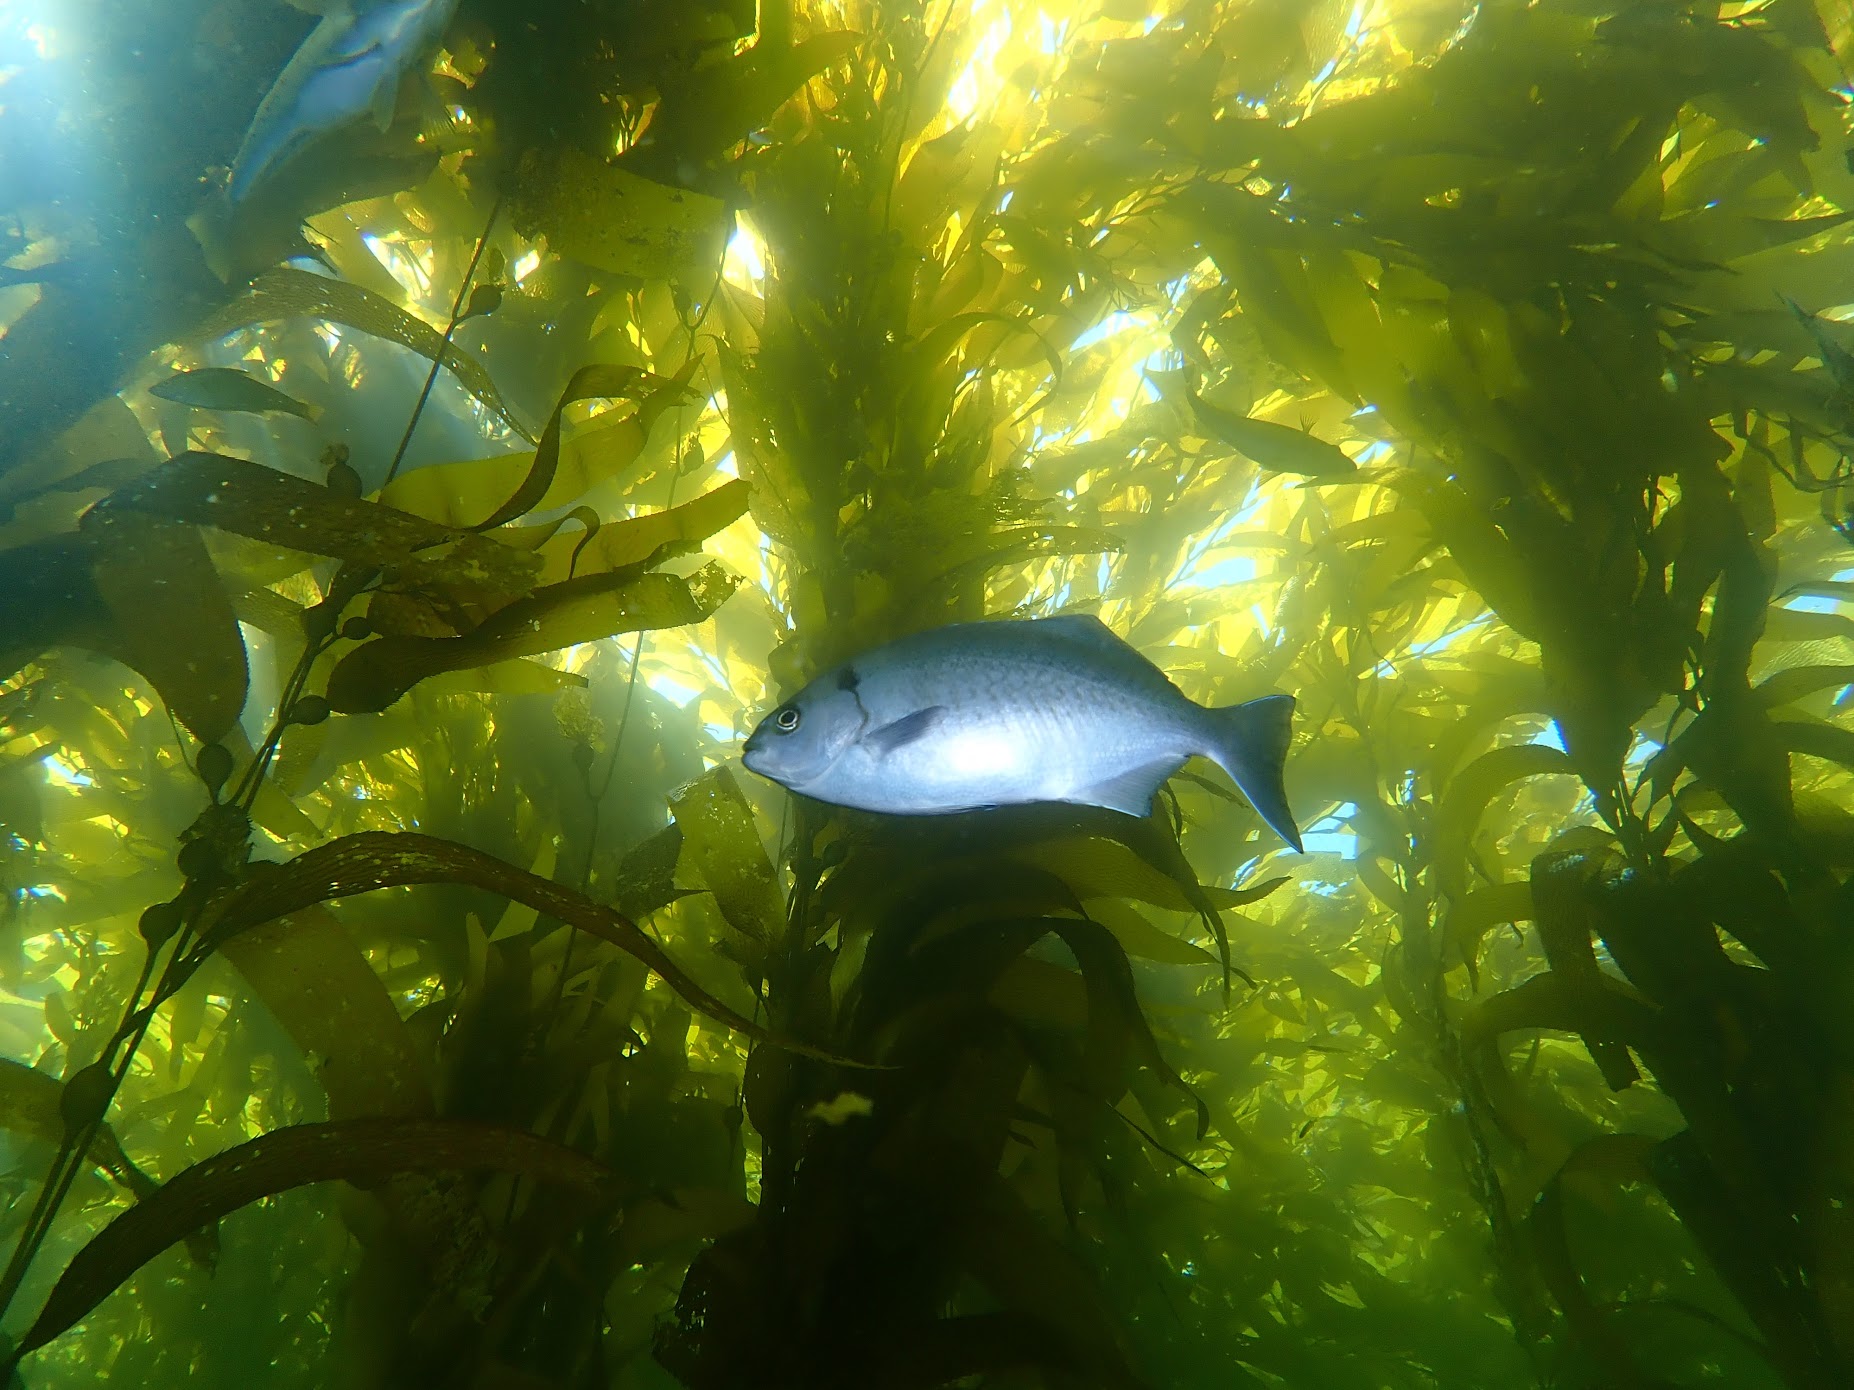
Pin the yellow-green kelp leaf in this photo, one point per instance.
(560, 470)
(621, 544)
(560, 615)
(1139, 937)
(364, 1152)
(224, 388)
(1277, 448)
(678, 1217)
(286, 293)
(600, 381)
(614, 220)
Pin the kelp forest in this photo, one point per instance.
(434, 434)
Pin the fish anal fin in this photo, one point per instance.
(1131, 791)
(910, 728)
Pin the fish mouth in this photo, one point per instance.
(752, 751)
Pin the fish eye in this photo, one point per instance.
(787, 719)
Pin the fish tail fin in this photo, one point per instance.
(1250, 742)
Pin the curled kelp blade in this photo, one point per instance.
(226, 388)
(358, 1151)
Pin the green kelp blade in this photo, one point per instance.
(1277, 448)
(29, 1100)
(1794, 682)
(174, 622)
(1562, 882)
(30, 1103)
(1015, 1259)
(646, 877)
(1617, 1159)
(1114, 1007)
(145, 594)
(1139, 937)
(1830, 741)
(317, 983)
(680, 1216)
(1601, 1007)
(249, 499)
(224, 388)
(980, 955)
(1479, 912)
(371, 860)
(286, 293)
(1469, 792)
(1248, 893)
(357, 1151)
(716, 105)
(719, 840)
(377, 673)
(607, 217)
(1838, 361)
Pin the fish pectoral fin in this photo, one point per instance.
(386, 100)
(1131, 791)
(910, 728)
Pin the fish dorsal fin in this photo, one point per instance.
(1087, 631)
(910, 728)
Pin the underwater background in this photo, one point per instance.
(433, 434)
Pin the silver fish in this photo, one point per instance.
(1003, 713)
(348, 67)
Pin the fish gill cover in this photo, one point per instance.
(400, 986)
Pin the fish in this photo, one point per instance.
(348, 68)
(1008, 712)
(224, 388)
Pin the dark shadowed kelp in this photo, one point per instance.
(1478, 374)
